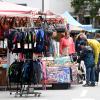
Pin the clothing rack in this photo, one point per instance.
(24, 88)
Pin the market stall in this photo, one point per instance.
(14, 18)
(27, 43)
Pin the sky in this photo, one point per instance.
(31, 3)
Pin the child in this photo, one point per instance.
(87, 56)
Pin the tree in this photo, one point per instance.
(82, 6)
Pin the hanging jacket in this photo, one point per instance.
(44, 69)
(47, 42)
(39, 41)
(37, 71)
(26, 72)
(1, 34)
(14, 72)
(10, 39)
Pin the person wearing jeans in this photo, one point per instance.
(90, 76)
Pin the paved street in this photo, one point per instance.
(75, 93)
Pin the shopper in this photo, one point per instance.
(95, 45)
(67, 46)
(87, 56)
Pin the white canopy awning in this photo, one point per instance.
(71, 21)
(75, 28)
(12, 9)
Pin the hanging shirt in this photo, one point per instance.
(67, 46)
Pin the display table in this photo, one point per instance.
(60, 71)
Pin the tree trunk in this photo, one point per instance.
(93, 22)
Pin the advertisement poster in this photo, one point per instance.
(58, 75)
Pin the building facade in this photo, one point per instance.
(58, 6)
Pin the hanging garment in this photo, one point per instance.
(1, 34)
(47, 43)
(44, 69)
(21, 56)
(39, 41)
(10, 39)
(26, 71)
(14, 72)
(37, 71)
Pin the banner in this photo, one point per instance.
(58, 74)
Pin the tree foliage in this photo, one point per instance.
(80, 6)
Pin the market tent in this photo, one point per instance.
(71, 21)
(49, 13)
(11, 9)
(49, 16)
(94, 30)
(87, 27)
(75, 28)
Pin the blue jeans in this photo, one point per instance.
(90, 75)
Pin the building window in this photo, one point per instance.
(86, 20)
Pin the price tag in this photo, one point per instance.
(35, 44)
(18, 45)
(5, 43)
(26, 46)
(13, 46)
(30, 46)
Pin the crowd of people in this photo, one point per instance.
(88, 51)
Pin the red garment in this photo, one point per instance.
(21, 56)
(67, 43)
(1, 34)
(44, 69)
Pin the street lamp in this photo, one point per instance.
(42, 5)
